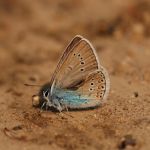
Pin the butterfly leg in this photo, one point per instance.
(60, 108)
(60, 114)
(63, 104)
(47, 106)
(41, 109)
(66, 107)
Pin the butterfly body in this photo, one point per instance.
(72, 99)
(78, 81)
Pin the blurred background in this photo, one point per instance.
(33, 34)
(35, 31)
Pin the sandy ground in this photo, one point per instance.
(33, 35)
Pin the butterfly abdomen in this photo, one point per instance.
(75, 100)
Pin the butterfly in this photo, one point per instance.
(79, 81)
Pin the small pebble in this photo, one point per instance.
(127, 140)
(136, 94)
(19, 127)
(34, 78)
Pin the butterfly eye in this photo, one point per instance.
(46, 93)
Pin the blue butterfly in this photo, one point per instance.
(79, 81)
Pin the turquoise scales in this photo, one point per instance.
(70, 99)
(79, 81)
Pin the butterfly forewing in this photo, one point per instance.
(79, 62)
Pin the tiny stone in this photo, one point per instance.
(34, 78)
(136, 94)
(95, 115)
(127, 140)
(19, 127)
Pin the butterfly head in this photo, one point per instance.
(46, 98)
(48, 101)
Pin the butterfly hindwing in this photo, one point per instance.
(86, 93)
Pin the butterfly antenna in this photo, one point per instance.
(26, 84)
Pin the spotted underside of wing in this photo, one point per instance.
(85, 93)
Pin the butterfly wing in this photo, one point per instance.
(79, 61)
(90, 92)
(73, 82)
(74, 41)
